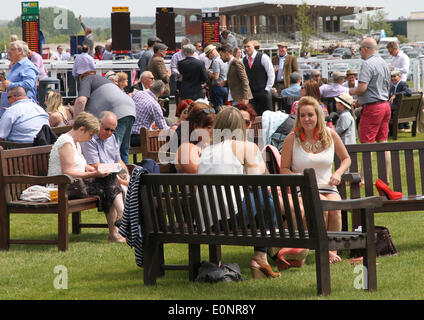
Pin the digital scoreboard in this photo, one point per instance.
(210, 25)
(31, 25)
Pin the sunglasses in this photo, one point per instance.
(110, 129)
(185, 111)
(208, 110)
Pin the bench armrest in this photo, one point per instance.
(352, 177)
(351, 204)
(28, 179)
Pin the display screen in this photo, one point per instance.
(210, 30)
(31, 33)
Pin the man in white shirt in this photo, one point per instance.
(60, 54)
(260, 72)
(400, 61)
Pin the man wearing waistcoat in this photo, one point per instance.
(261, 76)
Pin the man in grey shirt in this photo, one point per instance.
(373, 94)
(97, 94)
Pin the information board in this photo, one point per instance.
(31, 25)
(31, 32)
(210, 29)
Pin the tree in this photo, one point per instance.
(378, 22)
(304, 25)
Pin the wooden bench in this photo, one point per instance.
(15, 145)
(175, 214)
(21, 168)
(150, 144)
(407, 110)
(407, 174)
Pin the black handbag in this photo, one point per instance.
(210, 272)
(77, 190)
(384, 245)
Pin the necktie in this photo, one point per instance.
(250, 62)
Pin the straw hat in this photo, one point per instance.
(209, 48)
(345, 99)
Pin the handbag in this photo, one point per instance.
(210, 272)
(384, 245)
(77, 190)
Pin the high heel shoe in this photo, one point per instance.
(263, 271)
(383, 189)
(290, 258)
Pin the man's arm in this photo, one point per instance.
(266, 62)
(360, 90)
(295, 65)
(79, 106)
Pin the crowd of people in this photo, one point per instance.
(222, 87)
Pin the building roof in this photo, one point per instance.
(289, 7)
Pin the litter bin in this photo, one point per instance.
(45, 85)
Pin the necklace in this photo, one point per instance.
(311, 147)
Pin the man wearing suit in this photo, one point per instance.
(284, 65)
(157, 67)
(397, 89)
(261, 77)
(237, 81)
(193, 74)
(146, 81)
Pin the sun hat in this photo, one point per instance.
(345, 99)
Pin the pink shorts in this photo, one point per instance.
(374, 123)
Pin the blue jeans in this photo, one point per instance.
(263, 208)
(123, 136)
(219, 96)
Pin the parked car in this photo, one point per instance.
(345, 53)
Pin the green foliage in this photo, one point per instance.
(378, 22)
(402, 39)
(304, 24)
(57, 25)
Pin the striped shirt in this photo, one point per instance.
(147, 110)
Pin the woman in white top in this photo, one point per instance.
(312, 145)
(66, 158)
(227, 155)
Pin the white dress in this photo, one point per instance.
(321, 162)
(54, 161)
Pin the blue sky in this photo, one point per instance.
(103, 8)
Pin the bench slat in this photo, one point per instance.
(410, 171)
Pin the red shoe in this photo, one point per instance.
(291, 258)
(383, 189)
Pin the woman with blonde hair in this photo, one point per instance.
(66, 158)
(59, 114)
(121, 79)
(231, 153)
(313, 145)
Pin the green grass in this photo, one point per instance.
(99, 270)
